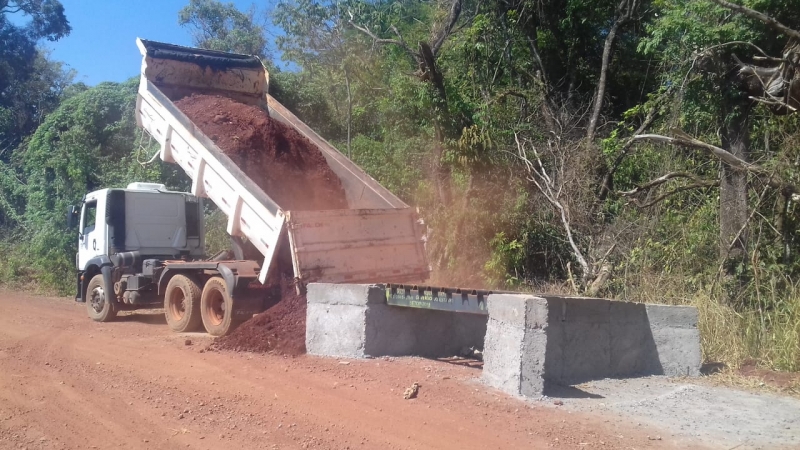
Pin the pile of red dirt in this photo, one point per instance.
(281, 161)
(281, 329)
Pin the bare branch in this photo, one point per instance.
(625, 11)
(699, 183)
(543, 182)
(5, 149)
(665, 178)
(773, 102)
(733, 161)
(724, 44)
(753, 14)
(769, 59)
(685, 140)
(672, 192)
(400, 43)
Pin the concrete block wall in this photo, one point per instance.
(351, 320)
(528, 341)
(532, 341)
(336, 318)
(515, 345)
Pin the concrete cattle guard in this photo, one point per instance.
(528, 341)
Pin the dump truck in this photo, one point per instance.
(143, 246)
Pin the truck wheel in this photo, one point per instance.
(98, 305)
(182, 304)
(216, 308)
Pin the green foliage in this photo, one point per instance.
(221, 26)
(30, 84)
(47, 19)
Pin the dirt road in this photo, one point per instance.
(67, 382)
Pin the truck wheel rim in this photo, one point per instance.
(216, 308)
(177, 304)
(98, 299)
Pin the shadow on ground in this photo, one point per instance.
(553, 390)
(149, 317)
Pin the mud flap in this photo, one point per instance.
(79, 289)
(238, 277)
(108, 283)
(247, 302)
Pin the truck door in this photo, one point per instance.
(92, 231)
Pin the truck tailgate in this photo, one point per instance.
(357, 246)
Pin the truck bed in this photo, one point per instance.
(378, 239)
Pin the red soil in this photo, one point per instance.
(281, 329)
(287, 166)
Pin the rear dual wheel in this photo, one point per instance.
(182, 304)
(216, 308)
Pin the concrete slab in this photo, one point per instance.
(528, 341)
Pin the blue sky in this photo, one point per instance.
(102, 45)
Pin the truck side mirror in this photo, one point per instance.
(73, 212)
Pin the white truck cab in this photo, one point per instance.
(145, 218)
(126, 238)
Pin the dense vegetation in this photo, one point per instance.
(640, 150)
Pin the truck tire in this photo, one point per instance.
(99, 307)
(216, 308)
(182, 304)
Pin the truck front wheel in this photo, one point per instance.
(182, 304)
(216, 308)
(100, 307)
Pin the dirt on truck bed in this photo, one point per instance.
(281, 161)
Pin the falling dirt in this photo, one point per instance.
(281, 329)
(287, 166)
(294, 173)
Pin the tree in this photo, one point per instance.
(471, 74)
(447, 123)
(21, 64)
(561, 72)
(718, 84)
(30, 100)
(221, 26)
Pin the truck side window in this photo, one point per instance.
(89, 216)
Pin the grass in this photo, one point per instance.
(768, 332)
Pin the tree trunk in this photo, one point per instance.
(442, 122)
(733, 211)
(349, 109)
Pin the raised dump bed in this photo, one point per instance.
(378, 238)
